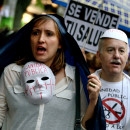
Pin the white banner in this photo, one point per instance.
(81, 24)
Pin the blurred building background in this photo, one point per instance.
(16, 13)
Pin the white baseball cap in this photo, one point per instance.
(116, 34)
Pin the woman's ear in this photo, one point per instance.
(59, 46)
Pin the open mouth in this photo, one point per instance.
(116, 63)
(41, 50)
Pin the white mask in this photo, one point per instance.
(38, 81)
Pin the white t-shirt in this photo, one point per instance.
(115, 99)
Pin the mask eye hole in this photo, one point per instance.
(30, 81)
(44, 78)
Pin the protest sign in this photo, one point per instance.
(86, 24)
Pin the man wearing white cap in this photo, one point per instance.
(110, 81)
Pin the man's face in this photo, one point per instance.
(113, 56)
(39, 82)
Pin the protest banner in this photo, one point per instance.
(86, 24)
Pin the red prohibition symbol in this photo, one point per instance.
(111, 110)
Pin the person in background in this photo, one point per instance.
(92, 62)
(113, 50)
(127, 67)
(45, 40)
